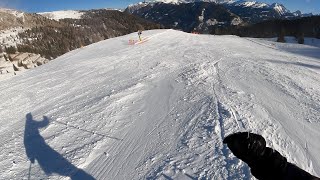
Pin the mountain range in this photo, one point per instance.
(203, 16)
(247, 3)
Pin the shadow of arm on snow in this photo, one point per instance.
(50, 161)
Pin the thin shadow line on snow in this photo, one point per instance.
(167, 177)
(50, 161)
(85, 130)
(191, 177)
(295, 63)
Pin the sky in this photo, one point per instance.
(306, 6)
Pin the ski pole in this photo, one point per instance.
(29, 170)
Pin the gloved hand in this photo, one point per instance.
(246, 146)
(264, 162)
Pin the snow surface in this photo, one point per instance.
(158, 109)
(57, 15)
(10, 37)
(292, 40)
(311, 46)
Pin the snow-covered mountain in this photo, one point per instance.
(255, 12)
(280, 8)
(70, 14)
(253, 4)
(247, 3)
(13, 12)
(12, 24)
(199, 16)
(10, 18)
(191, 1)
(248, 11)
(57, 15)
(159, 109)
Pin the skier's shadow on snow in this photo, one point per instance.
(49, 160)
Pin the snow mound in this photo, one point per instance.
(57, 15)
(158, 109)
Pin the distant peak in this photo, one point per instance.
(280, 8)
(190, 1)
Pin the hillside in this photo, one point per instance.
(307, 26)
(17, 19)
(94, 25)
(25, 34)
(159, 109)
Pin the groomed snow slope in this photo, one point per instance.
(159, 109)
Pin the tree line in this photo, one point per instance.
(299, 28)
(54, 40)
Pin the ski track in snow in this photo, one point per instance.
(160, 109)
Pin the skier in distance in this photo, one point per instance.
(139, 34)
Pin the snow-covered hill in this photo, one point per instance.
(57, 15)
(158, 109)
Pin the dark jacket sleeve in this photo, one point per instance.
(273, 166)
(295, 173)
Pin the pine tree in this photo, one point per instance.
(281, 35)
(11, 50)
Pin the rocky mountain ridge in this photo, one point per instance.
(11, 18)
(199, 16)
(167, 12)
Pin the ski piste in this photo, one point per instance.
(161, 109)
(142, 41)
(136, 42)
(133, 41)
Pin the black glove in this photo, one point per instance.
(265, 163)
(246, 146)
